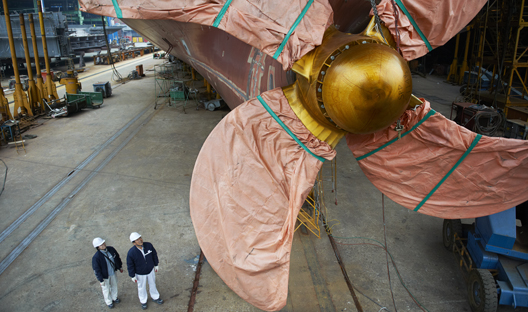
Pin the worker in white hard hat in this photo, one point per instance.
(142, 264)
(105, 263)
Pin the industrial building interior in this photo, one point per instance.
(121, 123)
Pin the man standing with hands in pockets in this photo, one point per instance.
(142, 263)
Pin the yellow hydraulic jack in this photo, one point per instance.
(5, 112)
(51, 90)
(71, 83)
(208, 86)
(19, 95)
(40, 82)
(34, 98)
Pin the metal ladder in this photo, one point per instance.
(19, 143)
(14, 132)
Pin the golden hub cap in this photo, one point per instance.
(366, 88)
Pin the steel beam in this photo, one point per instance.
(51, 89)
(19, 95)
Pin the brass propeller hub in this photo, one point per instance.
(366, 88)
(351, 83)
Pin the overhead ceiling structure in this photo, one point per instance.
(351, 80)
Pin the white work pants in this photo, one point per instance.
(110, 289)
(142, 286)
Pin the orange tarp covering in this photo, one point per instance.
(248, 185)
(492, 178)
(261, 24)
(439, 21)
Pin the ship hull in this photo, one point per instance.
(236, 70)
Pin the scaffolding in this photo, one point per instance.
(498, 67)
(166, 78)
(314, 205)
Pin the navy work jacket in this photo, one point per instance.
(99, 263)
(137, 264)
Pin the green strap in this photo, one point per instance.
(429, 114)
(117, 9)
(413, 22)
(221, 14)
(272, 113)
(285, 40)
(475, 141)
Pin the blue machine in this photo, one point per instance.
(497, 263)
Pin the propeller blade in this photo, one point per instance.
(283, 31)
(441, 169)
(249, 182)
(424, 25)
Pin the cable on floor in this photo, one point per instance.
(5, 177)
(116, 76)
(494, 120)
(387, 253)
(380, 245)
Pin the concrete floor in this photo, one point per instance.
(140, 182)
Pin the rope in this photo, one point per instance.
(396, 20)
(378, 21)
(495, 122)
(380, 245)
(387, 249)
(115, 73)
(5, 177)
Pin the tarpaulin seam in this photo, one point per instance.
(272, 113)
(413, 22)
(473, 144)
(221, 14)
(429, 114)
(297, 21)
(117, 9)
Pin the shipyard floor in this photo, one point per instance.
(127, 167)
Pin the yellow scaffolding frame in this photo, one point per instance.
(500, 48)
(310, 212)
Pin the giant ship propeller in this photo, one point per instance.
(258, 165)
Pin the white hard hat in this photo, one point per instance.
(97, 242)
(134, 236)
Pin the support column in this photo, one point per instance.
(5, 112)
(34, 102)
(19, 95)
(51, 89)
(40, 82)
